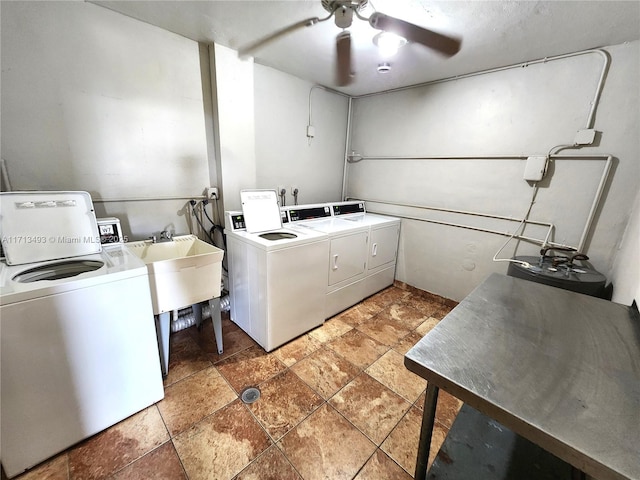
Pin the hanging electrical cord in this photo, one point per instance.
(517, 231)
(214, 227)
(193, 203)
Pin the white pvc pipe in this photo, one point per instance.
(595, 203)
(146, 199)
(5, 175)
(588, 222)
(347, 142)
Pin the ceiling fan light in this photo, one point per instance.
(388, 43)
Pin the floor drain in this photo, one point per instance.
(250, 395)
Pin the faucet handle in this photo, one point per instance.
(153, 239)
(166, 234)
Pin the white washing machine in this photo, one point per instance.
(77, 335)
(277, 276)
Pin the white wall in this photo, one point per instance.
(522, 111)
(626, 270)
(284, 156)
(232, 86)
(93, 100)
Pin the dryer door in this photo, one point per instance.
(347, 257)
(384, 245)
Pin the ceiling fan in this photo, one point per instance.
(344, 11)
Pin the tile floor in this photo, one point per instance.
(336, 403)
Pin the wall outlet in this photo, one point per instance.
(212, 192)
(293, 191)
(280, 190)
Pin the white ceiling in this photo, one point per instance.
(494, 33)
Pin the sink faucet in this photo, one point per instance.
(165, 236)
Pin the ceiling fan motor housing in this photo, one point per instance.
(332, 5)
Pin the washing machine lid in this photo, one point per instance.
(43, 226)
(261, 211)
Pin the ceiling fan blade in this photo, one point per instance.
(343, 49)
(249, 49)
(442, 43)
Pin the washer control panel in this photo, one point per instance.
(110, 231)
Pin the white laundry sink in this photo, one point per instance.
(182, 272)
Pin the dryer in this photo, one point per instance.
(363, 249)
(384, 236)
(276, 276)
(346, 267)
(77, 335)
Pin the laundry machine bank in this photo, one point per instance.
(77, 336)
(357, 259)
(363, 249)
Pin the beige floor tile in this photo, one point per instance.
(380, 466)
(284, 402)
(234, 340)
(116, 447)
(370, 406)
(384, 328)
(402, 444)
(325, 371)
(358, 348)
(190, 400)
(390, 371)
(297, 349)
(426, 326)
(425, 306)
(357, 314)
(407, 343)
(331, 329)
(442, 312)
(250, 367)
(221, 445)
(407, 315)
(447, 407)
(386, 297)
(163, 462)
(326, 446)
(185, 358)
(57, 468)
(271, 465)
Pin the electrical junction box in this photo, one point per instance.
(535, 168)
(585, 137)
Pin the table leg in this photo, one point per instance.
(216, 319)
(426, 431)
(577, 474)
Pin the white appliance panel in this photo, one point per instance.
(347, 257)
(43, 226)
(277, 293)
(296, 299)
(383, 245)
(73, 365)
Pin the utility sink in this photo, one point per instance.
(182, 272)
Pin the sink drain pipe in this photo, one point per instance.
(185, 317)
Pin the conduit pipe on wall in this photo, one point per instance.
(544, 242)
(346, 152)
(145, 199)
(588, 223)
(594, 103)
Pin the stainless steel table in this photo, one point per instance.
(559, 368)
